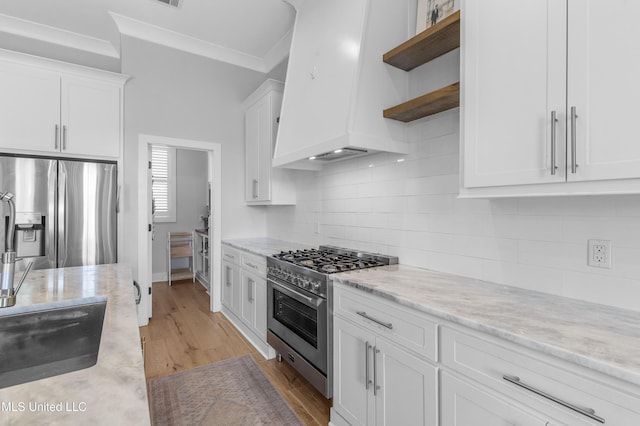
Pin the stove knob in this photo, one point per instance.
(315, 285)
(305, 283)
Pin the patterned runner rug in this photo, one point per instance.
(229, 392)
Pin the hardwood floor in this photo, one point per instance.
(183, 334)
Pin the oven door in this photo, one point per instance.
(299, 319)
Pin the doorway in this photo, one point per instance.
(145, 274)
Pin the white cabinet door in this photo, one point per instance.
(261, 307)
(90, 117)
(465, 404)
(352, 372)
(265, 185)
(604, 87)
(258, 137)
(408, 391)
(248, 299)
(29, 108)
(514, 78)
(231, 286)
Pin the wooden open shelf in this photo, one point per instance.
(429, 44)
(432, 103)
(435, 41)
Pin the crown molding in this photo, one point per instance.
(155, 34)
(57, 66)
(46, 33)
(279, 52)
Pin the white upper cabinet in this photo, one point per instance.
(90, 112)
(29, 108)
(337, 85)
(548, 98)
(265, 185)
(604, 88)
(50, 107)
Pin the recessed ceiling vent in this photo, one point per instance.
(174, 3)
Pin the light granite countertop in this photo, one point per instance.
(595, 336)
(111, 392)
(263, 246)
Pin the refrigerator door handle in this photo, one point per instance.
(62, 215)
(118, 199)
(52, 223)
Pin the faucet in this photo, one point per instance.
(7, 291)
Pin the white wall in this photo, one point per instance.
(179, 95)
(410, 209)
(191, 199)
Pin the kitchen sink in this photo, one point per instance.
(48, 342)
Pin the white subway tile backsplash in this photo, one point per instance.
(568, 206)
(623, 231)
(502, 249)
(410, 209)
(432, 203)
(499, 207)
(442, 184)
(530, 277)
(620, 292)
(567, 256)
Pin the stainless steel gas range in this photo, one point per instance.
(299, 306)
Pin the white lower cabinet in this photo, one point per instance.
(552, 389)
(377, 381)
(253, 303)
(244, 296)
(394, 365)
(231, 286)
(465, 404)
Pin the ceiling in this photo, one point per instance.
(250, 33)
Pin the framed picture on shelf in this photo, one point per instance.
(430, 12)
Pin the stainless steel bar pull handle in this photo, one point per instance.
(574, 118)
(228, 276)
(589, 412)
(64, 138)
(367, 380)
(554, 120)
(255, 188)
(377, 321)
(376, 388)
(55, 144)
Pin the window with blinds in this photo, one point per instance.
(163, 187)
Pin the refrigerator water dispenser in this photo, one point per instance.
(29, 235)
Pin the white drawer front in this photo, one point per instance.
(230, 254)
(412, 330)
(488, 360)
(254, 263)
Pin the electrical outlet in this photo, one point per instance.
(599, 253)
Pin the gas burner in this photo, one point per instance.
(329, 260)
(329, 269)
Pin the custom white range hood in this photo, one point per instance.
(337, 85)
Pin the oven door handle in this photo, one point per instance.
(302, 298)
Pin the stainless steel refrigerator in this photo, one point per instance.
(65, 211)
